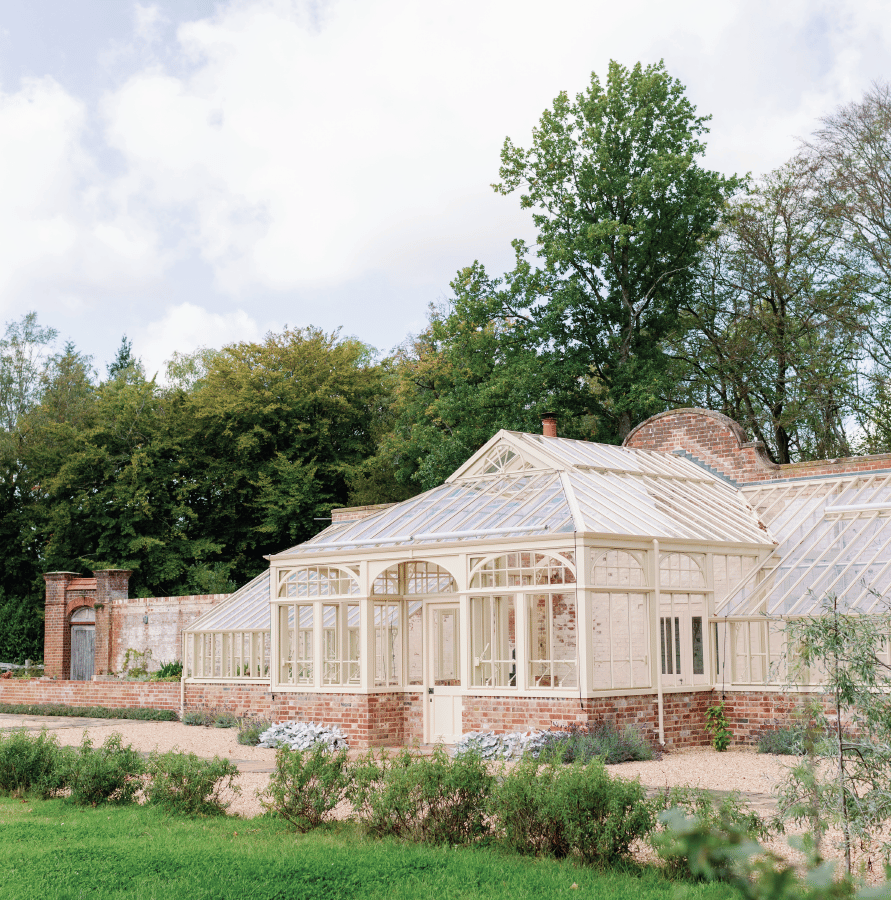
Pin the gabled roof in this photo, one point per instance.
(526, 485)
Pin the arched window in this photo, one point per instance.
(502, 459)
(681, 570)
(618, 569)
(527, 568)
(318, 581)
(85, 615)
(409, 579)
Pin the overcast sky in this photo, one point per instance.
(192, 173)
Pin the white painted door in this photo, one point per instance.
(682, 645)
(444, 703)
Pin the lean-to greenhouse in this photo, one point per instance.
(552, 580)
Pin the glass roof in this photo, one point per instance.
(246, 610)
(527, 485)
(834, 540)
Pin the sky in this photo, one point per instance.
(196, 172)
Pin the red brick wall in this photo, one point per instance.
(720, 443)
(116, 695)
(684, 715)
(751, 713)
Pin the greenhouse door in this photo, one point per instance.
(681, 650)
(444, 703)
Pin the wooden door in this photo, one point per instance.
(83, 652)
(445, 705)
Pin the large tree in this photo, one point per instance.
(622, 208)
(776, 319)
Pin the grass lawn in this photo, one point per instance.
(51, 850)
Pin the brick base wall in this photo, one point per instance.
(684, 715)
(116, 695)
(394, 719)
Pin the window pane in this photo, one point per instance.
(493, 641)
(553, 647)
(698, 658)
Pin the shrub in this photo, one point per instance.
(30, 764)
(224, 720)
(730, 816)
(111, 773)
(577, 810)
(307, 785)
(599, 740)
(249, 731)
(89, 712)
(423, 798)
(169, 671)
(718, 727)
(783, 741)
(195, 717)
(186, 784)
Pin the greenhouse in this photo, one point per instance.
(545, 575)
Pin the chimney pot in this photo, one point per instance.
(549, 424)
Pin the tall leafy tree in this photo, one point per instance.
(622, 207)
(777, 318)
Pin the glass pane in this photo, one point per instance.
(698, 659)
(415, 627)
(387, 643)
(553, 647)
(445, 648)
(493, 641)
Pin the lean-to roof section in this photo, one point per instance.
(246, 610)
(834, 540)
(527, 485)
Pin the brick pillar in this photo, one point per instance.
(111, 585)
(55, 644)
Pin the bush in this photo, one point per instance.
(307, 785)
(423, 798)
(600, 740)
(196, 717)
(184, 783)
(249, 731)
(89, 712)
(169, 671)
(782, 741)
(30, 764)
(111, 773)
(728, 817)
(225, 720)
(211, 718)
(577, 810)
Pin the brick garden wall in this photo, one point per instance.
(393, 719)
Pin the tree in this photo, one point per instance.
(24, 358)
(847, 781)
(777, 318)
(622, 209)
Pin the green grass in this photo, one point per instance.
(53, 851)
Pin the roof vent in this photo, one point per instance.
(549, 424)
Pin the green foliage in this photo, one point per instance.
(307, 785)
(729, 817)
(111, 773)
(577, 810)
(782, 741)
(433, 798)
(225, 720)
(249, 730)
(29, 763)
(843, 778)
(196, 717)
(185, 784)
(21, 627)
(137, 662)
(599, 740)
(718, 727)
(728, 853)
(146, 714)
(169, 671)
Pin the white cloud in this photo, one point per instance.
(186, 327)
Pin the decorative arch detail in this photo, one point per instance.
(526, 568)
(413, 578)
(318, 581)
(619, 569)
(682, 570)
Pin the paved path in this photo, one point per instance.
(54, 723)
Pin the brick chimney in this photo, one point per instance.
(549, 424)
